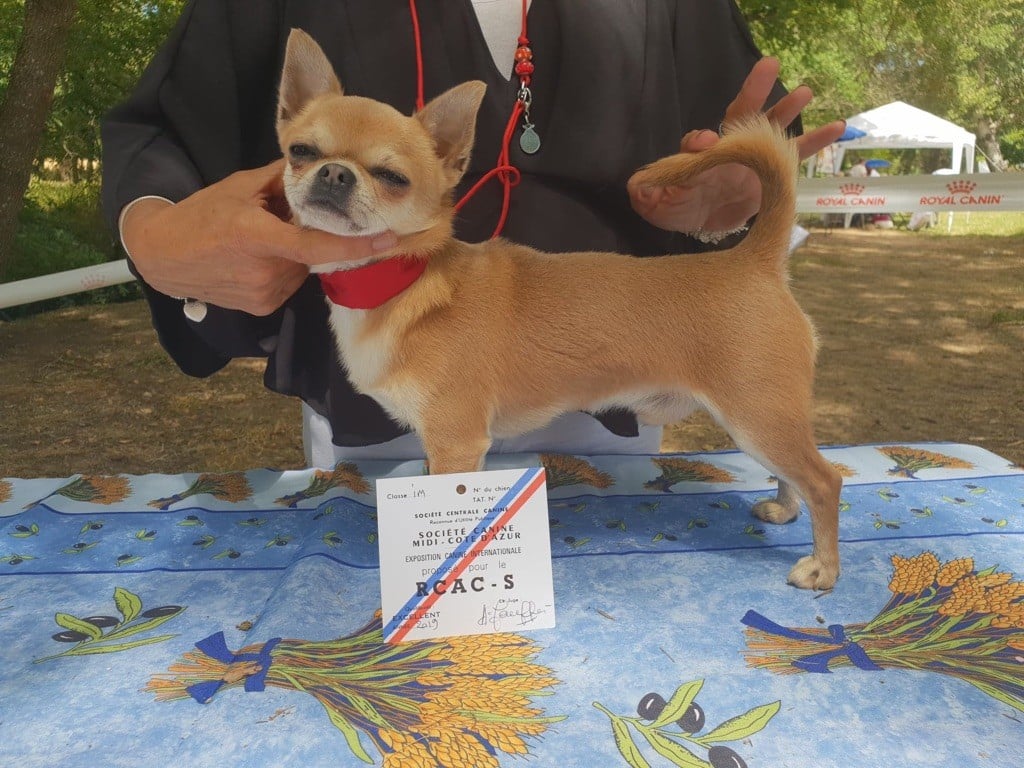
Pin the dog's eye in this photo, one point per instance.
(303, 152)
(390, 177)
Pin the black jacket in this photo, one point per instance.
(617, 84)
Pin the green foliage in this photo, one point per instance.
(812, 41)
(60, 228)
(1012, 142)
(109, 46)
(111, 43)
(76, 208)
(11, 13)
(960, 60)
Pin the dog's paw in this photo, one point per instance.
(771, 511)
(811, 573)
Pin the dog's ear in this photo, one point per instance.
(451, 120)
(307, 74)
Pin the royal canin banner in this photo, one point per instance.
(965, 192)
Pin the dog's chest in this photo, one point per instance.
(366, 357)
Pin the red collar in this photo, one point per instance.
(370, 286)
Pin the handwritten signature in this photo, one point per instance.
(523, 612)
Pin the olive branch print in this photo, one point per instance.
(107, 634)
(670, 728)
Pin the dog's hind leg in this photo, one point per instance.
(784, 443)
(819, 483)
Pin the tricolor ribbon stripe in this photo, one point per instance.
(465, 553)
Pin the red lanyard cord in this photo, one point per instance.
(507, 173)
(418, 40)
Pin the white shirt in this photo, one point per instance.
(501, 22)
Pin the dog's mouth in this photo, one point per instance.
(335, 204)
(337, 212)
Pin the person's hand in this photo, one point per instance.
(228, 243)
(724, 198)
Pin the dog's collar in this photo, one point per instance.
(370, 286)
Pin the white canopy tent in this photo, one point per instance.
(900, 126)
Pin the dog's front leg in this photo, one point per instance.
(465, 457)
(455, 444)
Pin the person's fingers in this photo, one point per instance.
(755, 89)
(277, 289)
(266, 185)
(268, 181)
(643, 196)
(278, 239)
(789, 107)
(321, 247)
(814, 141)
(263, 177)
(646, 196)
(278, 206)
(251, 284)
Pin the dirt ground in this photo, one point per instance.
(922, 339)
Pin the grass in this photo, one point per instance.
(981, 223)
(61, 227)
(1008, 317)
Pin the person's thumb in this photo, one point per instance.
(265, 180)
(698, 141)
(310, 246)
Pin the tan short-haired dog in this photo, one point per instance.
(562, 332)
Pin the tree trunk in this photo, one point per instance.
(37, 65)
(988, 142)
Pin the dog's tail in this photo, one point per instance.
(764, 148)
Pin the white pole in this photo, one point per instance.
(64, 283)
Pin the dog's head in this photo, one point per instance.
(355, 166)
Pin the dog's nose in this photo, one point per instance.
(336, 174)
(333, 186)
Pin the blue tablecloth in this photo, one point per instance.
(233, 619)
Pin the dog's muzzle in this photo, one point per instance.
(332, 186)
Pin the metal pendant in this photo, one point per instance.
(529, 141)
(195, 310)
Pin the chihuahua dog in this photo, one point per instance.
(562, 332)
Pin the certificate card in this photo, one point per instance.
(464, 554)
